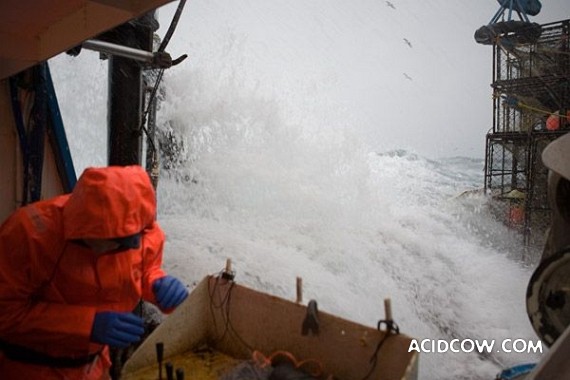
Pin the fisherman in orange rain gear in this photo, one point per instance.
(73, 268)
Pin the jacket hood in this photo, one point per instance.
(109, 202)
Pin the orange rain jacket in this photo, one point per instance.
(51, 286)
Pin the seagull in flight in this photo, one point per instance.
(408, 42)
(388, 3)
(407, 76)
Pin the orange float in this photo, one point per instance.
(553, 121)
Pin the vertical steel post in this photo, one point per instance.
(126, 94)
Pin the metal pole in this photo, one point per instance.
(126, 92)
(118, 50)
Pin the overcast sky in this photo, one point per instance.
(402, 74)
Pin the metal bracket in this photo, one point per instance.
(311, 322)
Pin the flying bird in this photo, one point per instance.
(408, 42)
(390, 5)
(407, 76)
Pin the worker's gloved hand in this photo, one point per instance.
(169, 292)
(117, 329)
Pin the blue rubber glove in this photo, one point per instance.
(169, 292)
(117, 329)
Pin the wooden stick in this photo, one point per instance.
(299, 290)
(229, 265)
(388, 309)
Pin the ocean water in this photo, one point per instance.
(305, 151)
(357, 226)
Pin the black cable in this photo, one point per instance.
(161, 49)
(225, 307)
(211, 294)
(172, 26)
(391, 329)
(233, 330)
(146, 112)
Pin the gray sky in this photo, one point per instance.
(409, 76)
